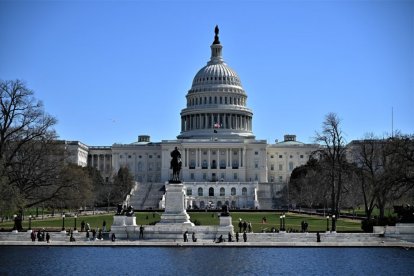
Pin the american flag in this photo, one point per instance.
(217, 125)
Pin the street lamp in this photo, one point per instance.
(63, 222)
(74, 229)
(284, 222)
(281, 223)
(327, 223)
(14, 219)
(30, 222)
(333, 223)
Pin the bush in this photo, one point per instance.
(196, 222)
(368, 225)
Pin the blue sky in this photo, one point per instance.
(111, 70)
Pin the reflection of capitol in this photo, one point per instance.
(222, 162)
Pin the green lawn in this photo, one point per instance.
(293, 221)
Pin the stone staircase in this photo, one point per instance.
(147, 196)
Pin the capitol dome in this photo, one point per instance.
(216, 102)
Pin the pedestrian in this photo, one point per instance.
(47, 237)
(100, 235)
(244, 226)
(93, 234)
(38, 235)
(193, 237)
(87, 235)
(244, 236)
(237, 236)
(82, 226)
(71, 239)
(104, 226)
(141, 232)
(185, 236)
(318, 237)
(113, 237)
(249, 227)
(88, 227)
(230, 237)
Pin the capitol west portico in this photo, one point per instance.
(222, 160)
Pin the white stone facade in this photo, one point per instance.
(217, 145)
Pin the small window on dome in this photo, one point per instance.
(215, 78)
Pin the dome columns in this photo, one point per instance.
(216, 121)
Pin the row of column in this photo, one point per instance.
(100, 161)
(228, 157)
(206, 121)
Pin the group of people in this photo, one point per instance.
(185, 237)
(304, 226)
(41, 236)
(220, 239)
(245, 226)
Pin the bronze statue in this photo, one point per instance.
(216, 38)
(225, 211)
(176, 165)
(130, 211)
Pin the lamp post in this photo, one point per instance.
(74, 229)
(63, 222)
(327, 223)
(14, 226)
(284, 222)
(281, 223)
(333, 223)
(30, 223)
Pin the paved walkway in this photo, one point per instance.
(253, 240)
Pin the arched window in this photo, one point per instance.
(222, 191)
(244, 191)
(211, 191)
(200, 192)
(233, 191)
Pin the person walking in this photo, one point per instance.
(237, 236)
(141, 232)
(244, 236)
(193, 237)
(104, 226)
(185, 236)
(240, 225)
(47, 237)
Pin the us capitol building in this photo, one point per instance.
(222, 161)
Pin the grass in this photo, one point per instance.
(292, 221)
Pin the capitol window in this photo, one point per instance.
(233, 191)
(200, 191)
(222, 191)
(244, 191)
(189, 191)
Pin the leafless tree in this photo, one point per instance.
(26, 133)
(333, 152)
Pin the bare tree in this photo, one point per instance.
(333, 152)
(385, 170)
(123, 183)
(25, 130)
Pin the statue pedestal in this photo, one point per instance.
(225, 226)
(175, 205)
